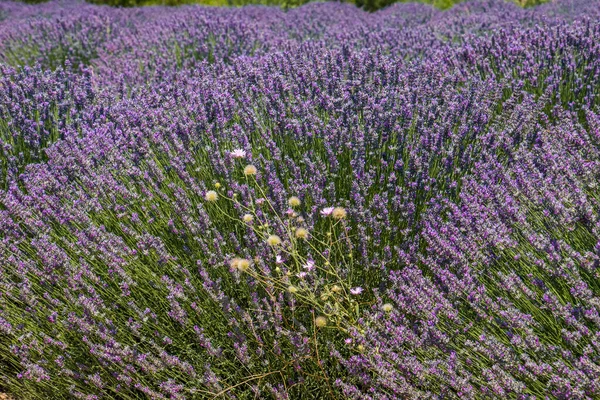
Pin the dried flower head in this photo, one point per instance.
(250, 170)
(273, 240)
(339, 213)
(302, 233)
(234, 262)
(211, 195)
(320, 321)
(294, 201)
(241, 264)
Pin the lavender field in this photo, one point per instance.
(323, 203)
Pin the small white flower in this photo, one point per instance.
(238, 153)
(211, 196)
(327, 211)
(278, 259)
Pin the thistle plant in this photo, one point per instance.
(311, 265)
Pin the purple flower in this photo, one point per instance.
(309, 266)
(238, 153)
(327, 211)
(356, 290)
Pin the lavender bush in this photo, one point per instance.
(320, 203)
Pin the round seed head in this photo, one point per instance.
(250, 170)
(320, 321)
(339, 213)
(301, 233)
(247, 218)
(292, 289)
(273, 240)
(211, 196)
(243, 265)
(294, 201)
(387, 307)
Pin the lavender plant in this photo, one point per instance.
(321, 203)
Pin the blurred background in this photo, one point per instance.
(368, 5)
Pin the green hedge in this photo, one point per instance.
(373, 5)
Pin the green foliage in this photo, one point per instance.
(374, 5)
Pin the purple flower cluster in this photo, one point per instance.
(505, 303)
(461, 149)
